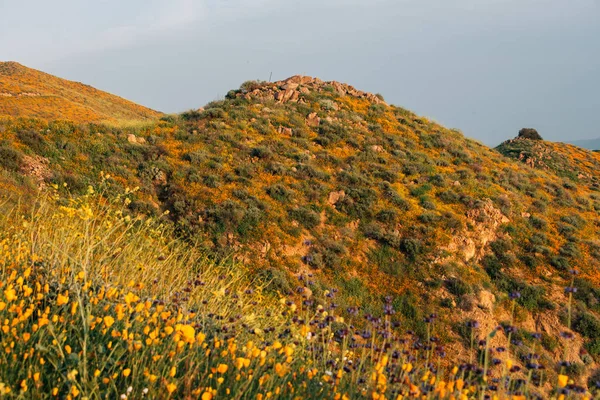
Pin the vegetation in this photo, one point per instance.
(334, 224)
(530, 133)
(98, 303)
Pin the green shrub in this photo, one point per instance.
(306, 217)
(530, 133)
(587, 325)
(411, 247)
(10, 159)
(279, 192)
(34, 140)
(457, 287)
(261, 152)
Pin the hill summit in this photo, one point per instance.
(292, 89)
(26, 92)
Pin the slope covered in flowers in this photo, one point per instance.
(326, 187)
(25, 92)
(98, 303)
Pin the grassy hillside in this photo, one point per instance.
(25, 92)
(315, 186)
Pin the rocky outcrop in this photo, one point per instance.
(486, 221)
(37, 168)
(292, 89)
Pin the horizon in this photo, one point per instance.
(485, 69)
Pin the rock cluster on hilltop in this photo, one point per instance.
(291, 89)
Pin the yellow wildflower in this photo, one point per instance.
(126, 372)
(108, 321)
(62, 299)
(187, 332)
(241, 362)
(131, 298)
(10, 293)
(563, 380)
(171, 387)
(222, 368)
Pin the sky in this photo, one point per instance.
(486, 67)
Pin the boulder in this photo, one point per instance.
(334, 197)
(313, 120)
(486, 300)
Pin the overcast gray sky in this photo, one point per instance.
(487, 67)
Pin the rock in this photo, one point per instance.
(290, 86)
(338, 88)
(486, 300)
(131, 138)
(313, 120)
(299, 79)
(334, 197)
(307, 292)
(265, 248)
(287, 95)
(37, 168)
(284, 131)
(295, 96)
(525, 215)
(456, 183)
(485, 222)
(376, 148)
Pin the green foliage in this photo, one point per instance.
(10, 159)
(457, 287)
(306, 217)
(530, 133)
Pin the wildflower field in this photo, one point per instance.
(333, 246)
(97, 303)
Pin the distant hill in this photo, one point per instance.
(26, 92)
(592, 144)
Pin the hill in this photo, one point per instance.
(591, 144)
(323, 190)
(565, 160)
(25, 92)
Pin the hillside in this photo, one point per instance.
(315, 186)
(566, 160)
(25, 92)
